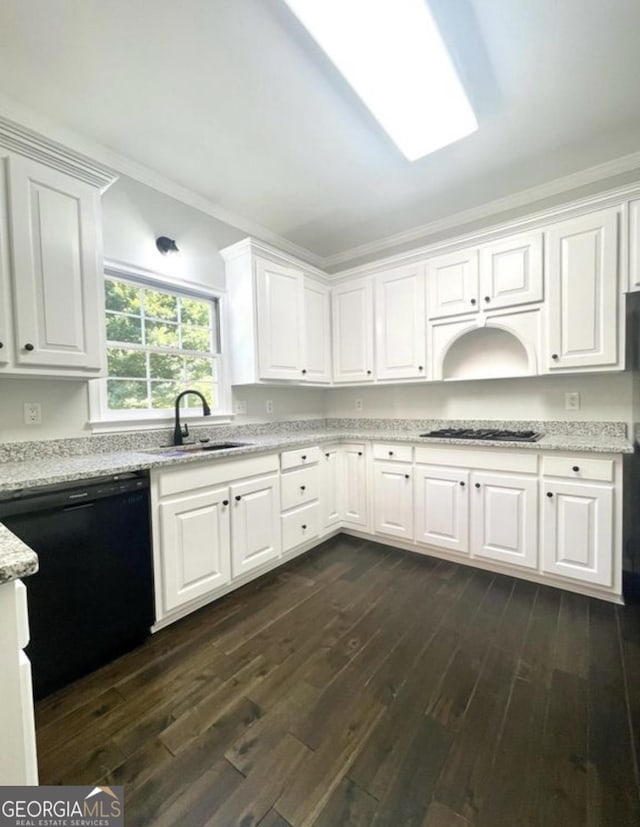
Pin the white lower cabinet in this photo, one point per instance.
(354, 485)
(505, 518)
(578, 531)
(194, 545)
(393, 499)
(255, 523)
(442, 507)
(330, 469)
(300, 525)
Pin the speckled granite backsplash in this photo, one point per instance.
(136, 440)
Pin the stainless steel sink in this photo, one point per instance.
(199, 448)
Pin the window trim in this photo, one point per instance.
(101, 418)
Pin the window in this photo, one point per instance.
(160, 341)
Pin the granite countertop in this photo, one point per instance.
(16, 559)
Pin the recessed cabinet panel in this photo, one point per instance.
(194, 545)
(505, 517)
(452, 284)
(316, 356)
(56, 287)
(256, 534)
(511, 271)
(634, 245)
(578, 531)
(583, 291)
(393, 499)
(280, 318)
(442, 507)
(353, 332)
(400, 323)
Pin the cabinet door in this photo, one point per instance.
(583, 291)
(5, 269)
(400, 323)
(255, 533)
(280, 320)
(442, 507)
(452, 284)
(354, 485)
(317, 332)
(353, 332)
(634, 245)
(57, 285)
(330, 488)
(511, 271)
(393, 499)
(578, 531)
(505, 519)
(194, 545)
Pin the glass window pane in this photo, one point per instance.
(124, 329)
(161, 305)
(196, 338)
(199, 368)
(196, 312)
(161, 334)
(122, 362)
(123, 394)
(163, 394)
(165, 366)
(206, 389)
(121, 296)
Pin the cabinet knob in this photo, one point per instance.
(238, 498)
(576, 468)
(303, 487)
(420, 367)
(28, 346)
(359, 453)
(406, 476)
(225, 502)
(368, 373)
(554, 356)
(473, 301)
(462, 484)
(487, 298)
(549, 494)
(304, 527)
(303, 457)
(390, 453)
(327, 455)
(477, 485)
(304, 370)
(1, 345)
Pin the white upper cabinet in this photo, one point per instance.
(634, 245)
(583, 291)
(56, 284)
(511, 271)
(6, 349)
(353, 331)
(400, 323)
(316, 353)
(280, 320)
(452, 283)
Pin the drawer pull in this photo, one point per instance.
(225, 502)
(304, 370)
(238, 498)
(576, 468)
(304, 527)
(368, 373)
(304, 456)
(303, 487)
(549, 494)
(406, 476)
(327, 455)
(390, 453)
(359, 453)
(462, 484)
(477, 485)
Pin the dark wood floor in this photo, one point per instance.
(364, 686)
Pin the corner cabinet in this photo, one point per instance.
(51, 323)
(279, 325)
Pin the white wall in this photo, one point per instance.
(604, 397)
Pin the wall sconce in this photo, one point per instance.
(166, 245)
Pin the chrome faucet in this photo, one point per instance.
(181, 431)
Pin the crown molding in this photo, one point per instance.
(256, 247)
(558, 186)
(73, 145)
(24, 141)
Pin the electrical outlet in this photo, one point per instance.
(269, 406)
(358, 404)
(32, 413)
(572, 401)
(241, 406)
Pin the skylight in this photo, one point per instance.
(392, 54)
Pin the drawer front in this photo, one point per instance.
(206, 474)
(300, 486)
(300, 457)
(491, 459)
(22, 614)
(393, 453)
(300, 525)
(578, 468)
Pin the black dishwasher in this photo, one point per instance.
(92, 598)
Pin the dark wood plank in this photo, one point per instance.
(439, 815)
(629, 626)
(349, 806)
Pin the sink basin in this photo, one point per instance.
(199, 448)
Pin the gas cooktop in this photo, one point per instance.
(485, 433)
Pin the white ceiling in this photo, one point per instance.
(231, 99)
